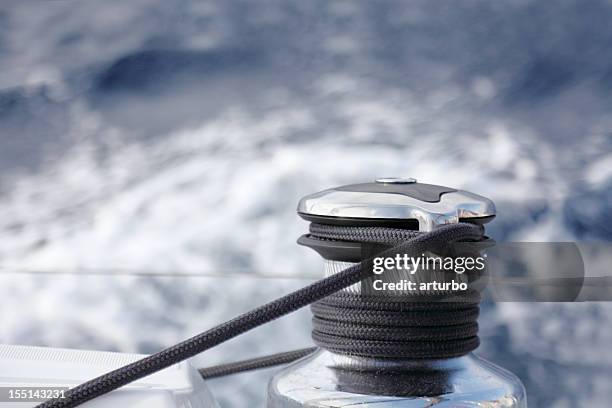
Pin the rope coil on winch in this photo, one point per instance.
(385, 326)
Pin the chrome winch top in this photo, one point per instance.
(395, 201)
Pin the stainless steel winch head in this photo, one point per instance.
(392, 201)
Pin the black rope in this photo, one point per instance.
(362, 234)
(425, 326)
(257, 363)
(247, 321)
(397, 330)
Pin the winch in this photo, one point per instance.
(399, 348)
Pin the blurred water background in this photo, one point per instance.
(152, 153)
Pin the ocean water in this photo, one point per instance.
(152, 154)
